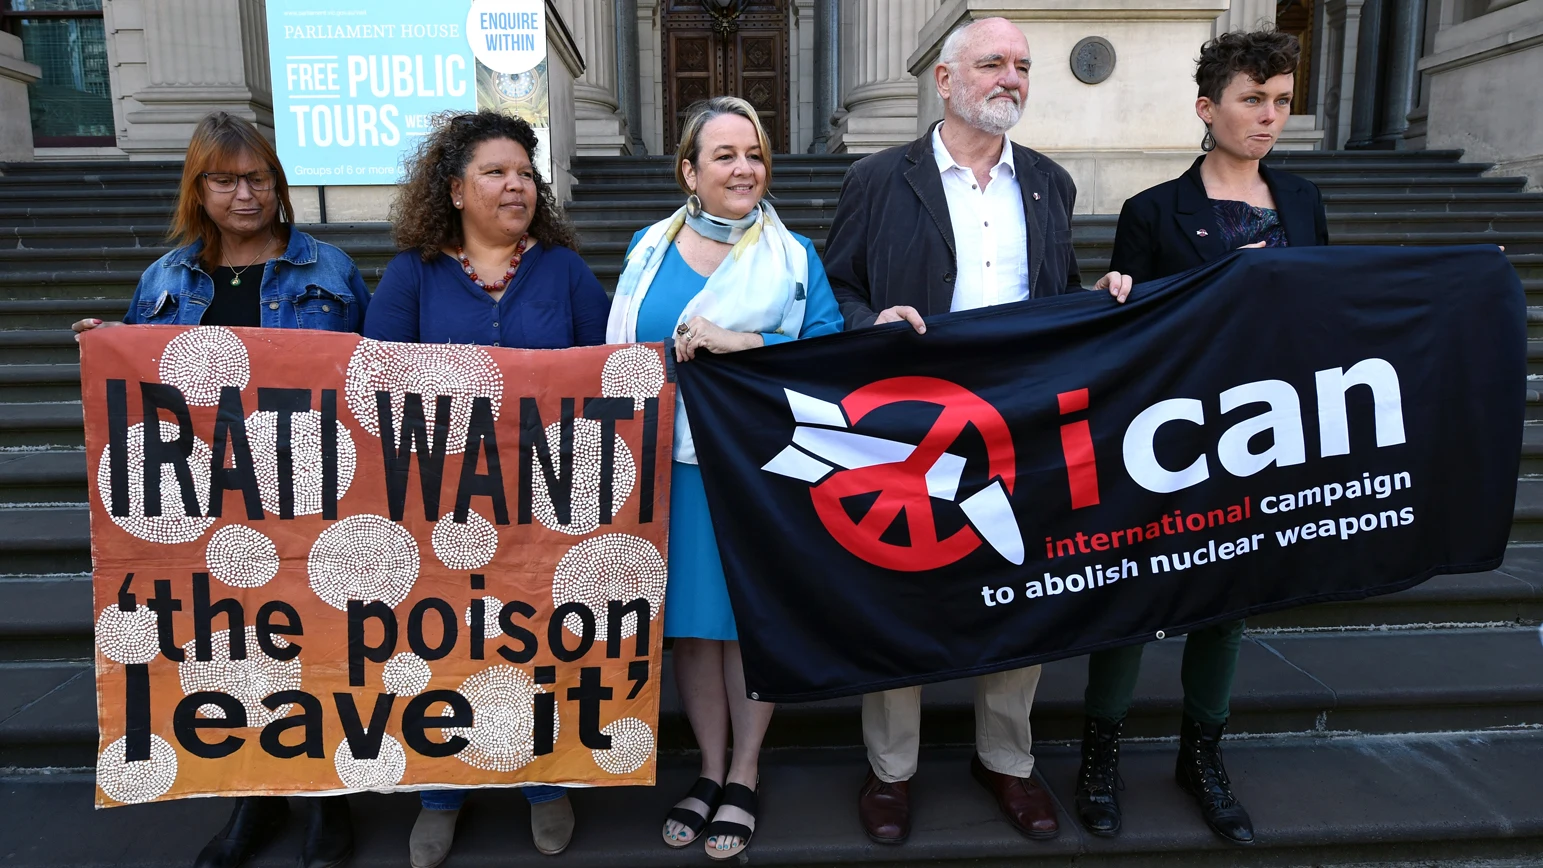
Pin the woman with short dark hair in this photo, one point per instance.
(1227, 200)
(487, 258)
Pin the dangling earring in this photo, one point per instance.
(693, 206)
(1208, 144)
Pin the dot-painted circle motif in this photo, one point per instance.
(249, 681)
(613, 566)
(502, 734)
(381, 773)
(468, 546)
(584, 517)
(633, 372)
(462, 372)
(632, 745)
(262, 429)
(127, 637)
(241, 556)
(173, 525)
(406, 674)
(364, 557)
(203, 360)
(141, 780)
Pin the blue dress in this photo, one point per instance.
(696, 599)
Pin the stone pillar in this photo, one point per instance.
(15, 115)
(563, 65)
(1246, 15)
(199, 56)
(827, 84)
(628, 82)
(879, 92)
(1341, 39)
(1438, 14)
(1363, 113)
(651, 76)
(601, 130)
(1404, 43)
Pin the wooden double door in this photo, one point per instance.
(734, 48)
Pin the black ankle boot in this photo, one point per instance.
(1098, 808)
(255, 821)
(1201, 774)
(329, 833)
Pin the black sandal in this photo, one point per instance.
(708, 792)
(735, 796)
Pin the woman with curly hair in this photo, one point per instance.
(1227, 200)
(487, 258)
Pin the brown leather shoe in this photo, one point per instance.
(885, 809)
(1023, 801)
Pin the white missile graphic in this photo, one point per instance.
(822, 445)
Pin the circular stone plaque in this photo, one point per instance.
(1092, 60)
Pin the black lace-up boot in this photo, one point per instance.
(1201, 774)
(1098, 806)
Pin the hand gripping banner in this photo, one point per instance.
(1044, 479)
(325, 564)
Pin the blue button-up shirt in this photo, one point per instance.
(554, 302)
(312, 285)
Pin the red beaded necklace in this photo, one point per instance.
(514, 265)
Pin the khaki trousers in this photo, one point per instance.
(892, 725)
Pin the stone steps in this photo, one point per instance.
(20, 346)
(43, 476)
(41, 424)
(45, 538)
(1322, 800)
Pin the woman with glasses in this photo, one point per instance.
(487, 258)
(241, 262)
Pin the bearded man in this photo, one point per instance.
(959, 219)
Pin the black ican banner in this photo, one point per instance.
(1044, 479)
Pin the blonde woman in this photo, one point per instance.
(721, 274)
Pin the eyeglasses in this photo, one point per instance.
(226, 182)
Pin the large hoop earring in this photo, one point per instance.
(693, 206)
(1208, 143)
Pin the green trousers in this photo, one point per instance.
(1210, 661)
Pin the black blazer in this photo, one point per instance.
(892, 241)
(1172, 228)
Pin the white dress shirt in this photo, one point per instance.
(990, 235)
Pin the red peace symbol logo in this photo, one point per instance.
(902, 485)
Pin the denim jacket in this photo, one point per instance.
(313, 285)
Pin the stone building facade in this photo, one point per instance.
(835, 76)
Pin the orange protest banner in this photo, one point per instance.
(325, 564)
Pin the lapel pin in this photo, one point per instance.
(1036, 197)
(1202, 233)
